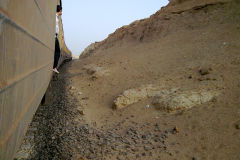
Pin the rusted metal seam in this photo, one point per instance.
(5, 15)
(42, 15)
(14, 126)
(24, 76)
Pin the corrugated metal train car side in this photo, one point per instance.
(65, 52)
(27, 29)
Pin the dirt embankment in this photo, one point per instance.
(179, 67)
(156, 26)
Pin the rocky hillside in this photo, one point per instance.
(166, 21)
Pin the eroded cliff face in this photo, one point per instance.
(177, 15)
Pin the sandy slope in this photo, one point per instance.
(169, 50)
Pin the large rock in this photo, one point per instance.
(184, 99)
(131, 96)
(166, 99)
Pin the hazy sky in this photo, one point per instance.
(87, 21)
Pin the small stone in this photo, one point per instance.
(204, 71)
(32, 129)
(81, 112)
(113, 147)
(147, 148)
(26, 146)
(124, 153)
(91, 150)
(143, 154)
(22, 155)
(134, 149)
(144, 137)
(170, 154)
(90, 131)
(72, 88)
(91, 71)
(166, 18)
(150, 154)
(94, 124)
(127, 146)
(94, 77)
(91, 156)
(176, 130)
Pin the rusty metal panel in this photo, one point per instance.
(27, 29)
(32, 92)
(17, 48)
(47, 8)
(26, 14)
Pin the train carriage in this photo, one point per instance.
(27, 40)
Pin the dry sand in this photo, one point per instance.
(169, 50)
